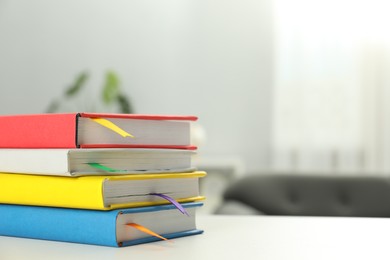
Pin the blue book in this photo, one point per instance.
(107, 228)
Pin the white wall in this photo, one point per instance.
(208, 58)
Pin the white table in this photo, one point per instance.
(235, 237)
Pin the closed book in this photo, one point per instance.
(91, 130)
(107, 228)
(95, 161)
(99, 192)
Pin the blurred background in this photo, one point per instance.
(279, 86)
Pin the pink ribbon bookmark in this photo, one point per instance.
(173, 201)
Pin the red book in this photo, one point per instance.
(95, 130)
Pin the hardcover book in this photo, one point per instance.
(99, 192)
(91, 130)
(95, 161)
(108, 228)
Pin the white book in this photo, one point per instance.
(78, 162)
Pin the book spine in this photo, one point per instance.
(35, 161)
(40, 190)
(38, 131)
(58, 224)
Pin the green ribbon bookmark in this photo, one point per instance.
(104, 168)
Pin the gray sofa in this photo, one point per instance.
(308, 195)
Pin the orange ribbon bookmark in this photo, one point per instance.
(146, 230)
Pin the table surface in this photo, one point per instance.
(235, 237)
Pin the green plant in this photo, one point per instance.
(111, 94)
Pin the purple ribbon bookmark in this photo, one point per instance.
(174, 202)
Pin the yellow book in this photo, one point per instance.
(99, 192)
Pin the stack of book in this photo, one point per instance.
(103, 179)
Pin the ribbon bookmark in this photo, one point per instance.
(173, 201)
(146, 230)
(104, 168)
(110, 125)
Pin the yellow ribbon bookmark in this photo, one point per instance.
(110, 125)
(146, 230)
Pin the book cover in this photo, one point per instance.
(107, 228)
(89, 130)
(99, 192)
(95, 161)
